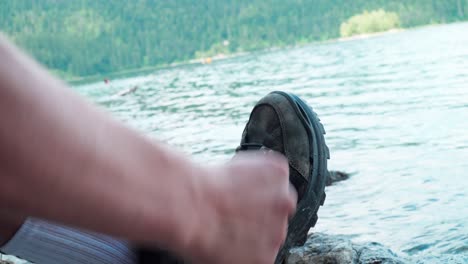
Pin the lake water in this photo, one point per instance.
(395, 108)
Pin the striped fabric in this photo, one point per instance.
(45, 243)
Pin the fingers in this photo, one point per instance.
(285, 210)
(255, 203)
(277, 238)
(271, 162)
(274, 168)
(281, 234)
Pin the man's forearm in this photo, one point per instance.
(65, 160)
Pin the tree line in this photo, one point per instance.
(86, 37)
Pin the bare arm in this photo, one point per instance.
(65, 160)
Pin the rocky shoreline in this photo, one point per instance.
(339, 249)
(322, 248)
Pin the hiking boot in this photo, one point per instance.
(282, 122)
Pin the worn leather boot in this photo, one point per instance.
(282, 122)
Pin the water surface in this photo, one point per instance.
(395, 108)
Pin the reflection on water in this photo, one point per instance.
(395, 108)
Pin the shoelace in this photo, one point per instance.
(250, 146)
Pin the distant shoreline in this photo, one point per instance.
(123, 73)
(199, 61)
(370, 35)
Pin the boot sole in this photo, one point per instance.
(306, 213)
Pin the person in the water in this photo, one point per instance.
(70, 173)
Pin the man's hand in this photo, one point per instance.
(245, 211)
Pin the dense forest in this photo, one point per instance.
(89, 37)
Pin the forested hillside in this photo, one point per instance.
(88, 37)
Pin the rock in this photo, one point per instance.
(5, 259)
(335, 249)
(373, 253)
(336, 176)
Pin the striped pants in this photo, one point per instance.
(42, 242)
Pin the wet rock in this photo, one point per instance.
(10, 260)
(374, 253)
(336, 176)
(335, 249)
